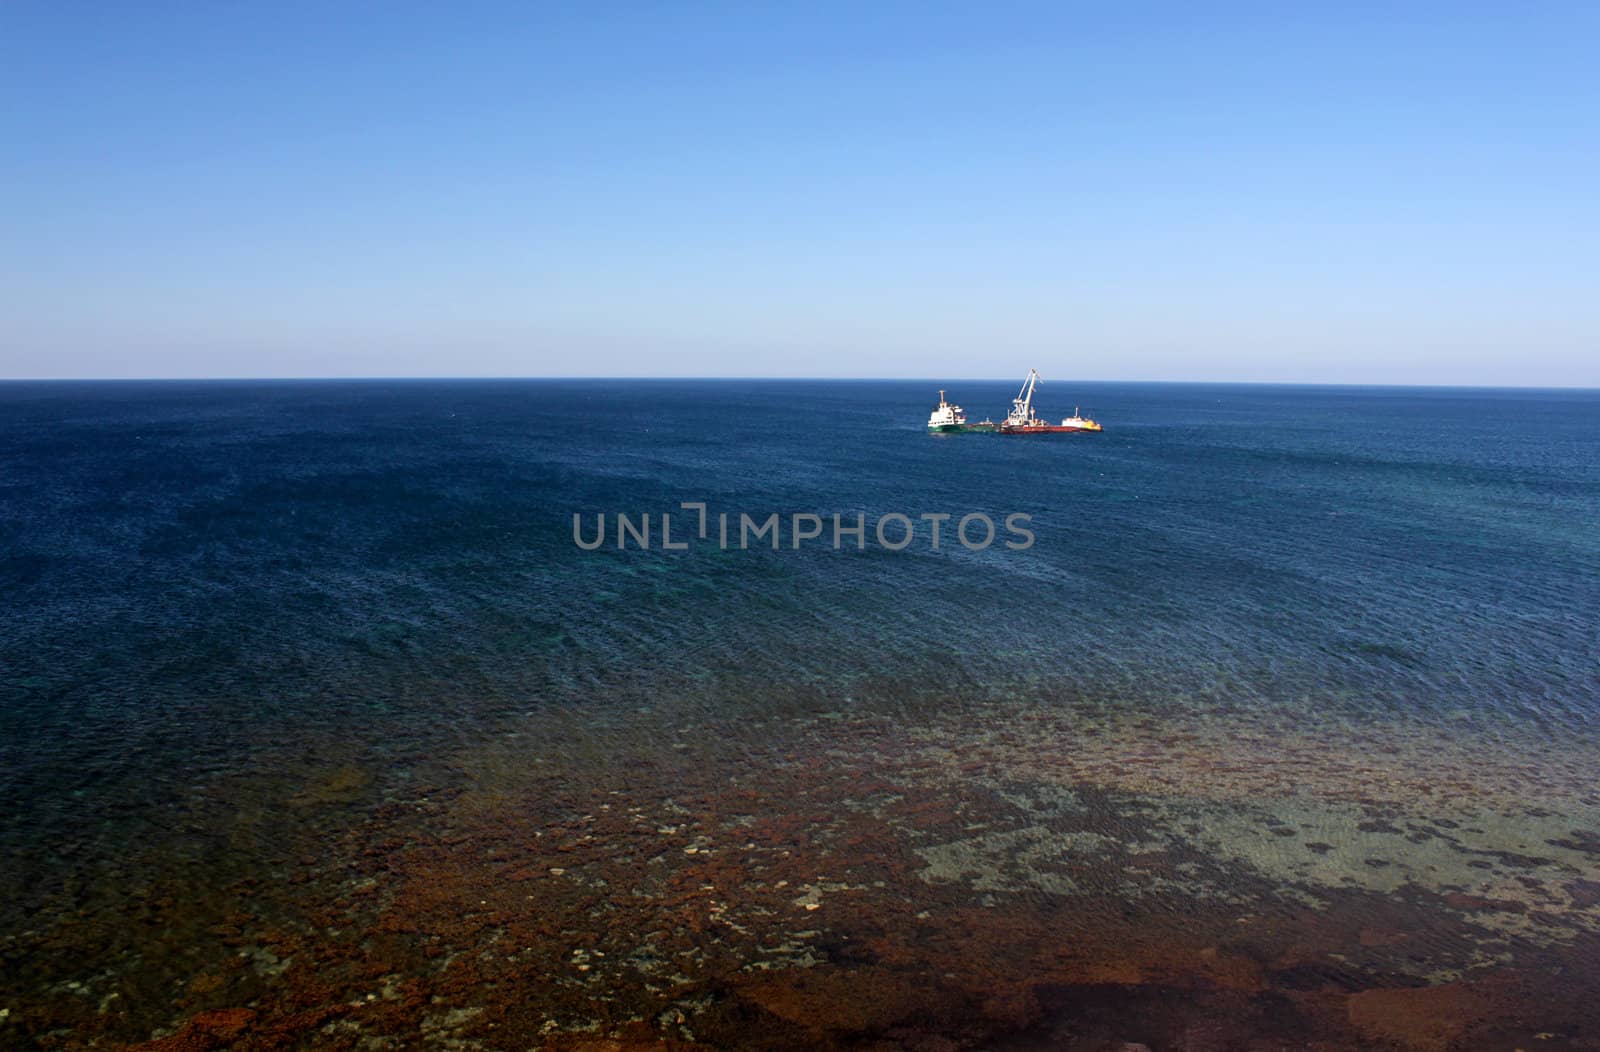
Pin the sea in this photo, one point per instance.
(1268, 714)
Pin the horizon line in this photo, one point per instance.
(775, 379)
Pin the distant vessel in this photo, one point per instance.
(947, 417)
(951, 417)
(1077, 422)
(1022, 420)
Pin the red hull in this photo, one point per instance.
(1041, 429)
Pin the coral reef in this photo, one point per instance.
(1037, 878)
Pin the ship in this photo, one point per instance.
(949, 417)
(1023, 420)
(1078, 422)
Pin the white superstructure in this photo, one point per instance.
(947, 417)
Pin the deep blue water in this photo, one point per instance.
(202, 576)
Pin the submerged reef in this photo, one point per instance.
(1024, 877)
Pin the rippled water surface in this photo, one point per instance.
(317, 728)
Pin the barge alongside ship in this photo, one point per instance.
(1022, 420)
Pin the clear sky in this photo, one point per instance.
(1324, 192)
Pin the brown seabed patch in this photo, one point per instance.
(854, 886)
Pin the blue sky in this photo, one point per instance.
(1352, 193)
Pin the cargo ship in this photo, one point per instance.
(949, 417)
(1023, 420)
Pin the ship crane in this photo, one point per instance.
(1024, 421)
(1022, 406)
